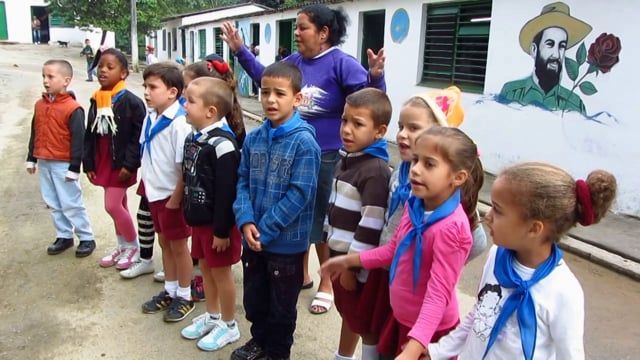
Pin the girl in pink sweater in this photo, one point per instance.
(430, 246)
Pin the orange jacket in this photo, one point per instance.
(54, 129)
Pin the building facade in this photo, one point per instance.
(541, 80)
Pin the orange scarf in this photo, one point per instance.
(105, 120)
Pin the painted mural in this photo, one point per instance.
(546, 38)
(560, 88)
(244, 81)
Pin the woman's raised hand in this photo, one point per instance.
(231, 36)
(376, 63)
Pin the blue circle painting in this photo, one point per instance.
(267, 33)
(399, 25)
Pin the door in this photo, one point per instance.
(4, 34)
(372, 34)
(286, 39)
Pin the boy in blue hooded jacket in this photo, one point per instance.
(274, 210)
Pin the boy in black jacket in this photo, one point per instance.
(210, 173)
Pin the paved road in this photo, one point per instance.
(60, 307)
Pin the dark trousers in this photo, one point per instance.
(272, 283)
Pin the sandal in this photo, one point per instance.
(308, 285)
(322, 300)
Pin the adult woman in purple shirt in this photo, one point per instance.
(328, 76)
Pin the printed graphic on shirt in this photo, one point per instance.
(196, 194)
(487, 310)
(311, 99)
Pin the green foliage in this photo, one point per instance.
(588, 88)
(572, 68)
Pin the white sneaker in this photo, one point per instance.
(138, 268)
(127, 258)
(200, 325)
(159, 276)
(220, 336)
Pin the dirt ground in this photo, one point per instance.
(61, 307)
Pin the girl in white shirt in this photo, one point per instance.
(530, 305)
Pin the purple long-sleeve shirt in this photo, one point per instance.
(327, 79)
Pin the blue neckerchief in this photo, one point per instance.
(520, 299)
(149, 133)
(226, 128)
(117, 96)
(378, 149)
(182, 100)
(293, 122)
(402, 191)
(419, 226)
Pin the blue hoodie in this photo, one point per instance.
(277, 184)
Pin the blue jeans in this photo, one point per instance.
(328, 163)
(64, 198)
(36, 36)
(272, 283)
(90, 72)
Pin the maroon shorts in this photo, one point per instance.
(169, 222)
(394, 337)
(202, 240)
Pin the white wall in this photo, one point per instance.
(511, 133)
(76, 36)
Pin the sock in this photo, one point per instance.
(369, 352)
(231, 323)
(340, 357)
(213, 316)
(184, 292)
(122, 243)
(171, 287)
(146, 261)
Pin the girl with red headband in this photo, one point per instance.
(215, 66)
(530, 305)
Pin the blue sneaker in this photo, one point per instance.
(200, 325)
(220, 336)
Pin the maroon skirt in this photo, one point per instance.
(394, 337)
(367, 308)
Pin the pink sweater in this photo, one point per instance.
(433, 305)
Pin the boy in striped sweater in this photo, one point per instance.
(356, 216)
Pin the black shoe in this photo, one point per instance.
(85, 248)
(60, 245)
(157, 303)
(178, 309)
(249, 351)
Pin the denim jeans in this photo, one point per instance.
(64, 198)
(35, 34)
(90, 72)
(328, 163)
(272, 283)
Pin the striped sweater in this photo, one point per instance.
(357, 205)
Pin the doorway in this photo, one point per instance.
(372, 34)
(286, 38)
(41, 13)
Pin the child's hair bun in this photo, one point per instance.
(603, 187)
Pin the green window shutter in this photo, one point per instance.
(202, 38)
(217, 42)
(294, 45)
(456, 45)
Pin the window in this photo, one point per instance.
(174, 37)
(456, 44)
(217, 41)
(164, 39)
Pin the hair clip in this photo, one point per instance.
(219, 66)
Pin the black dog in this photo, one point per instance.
(63, 43)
